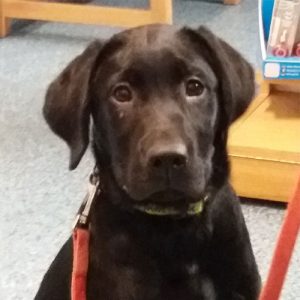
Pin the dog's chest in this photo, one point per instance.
(189, 282)
(130, 284)
(157, 262)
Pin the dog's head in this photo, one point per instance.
(161, 101)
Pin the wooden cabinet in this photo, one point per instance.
(264, 145)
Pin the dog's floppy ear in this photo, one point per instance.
(66, 108)
(235, 74)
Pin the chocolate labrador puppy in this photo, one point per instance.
(167, 225)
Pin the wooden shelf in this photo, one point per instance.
(264, 146)
(159, 12)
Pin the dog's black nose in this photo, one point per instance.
(168, 159)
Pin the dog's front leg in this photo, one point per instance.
(233, 263)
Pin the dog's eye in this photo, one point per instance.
(194, 88)
(122, 93)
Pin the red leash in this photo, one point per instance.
(81, 238)
(80, 263)
(284, 249)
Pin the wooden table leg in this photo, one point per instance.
(162, 11)
(4, 22)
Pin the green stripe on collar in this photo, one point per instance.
(156, 210)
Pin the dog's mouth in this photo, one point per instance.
(170, 203)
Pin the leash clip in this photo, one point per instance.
(82, 217)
